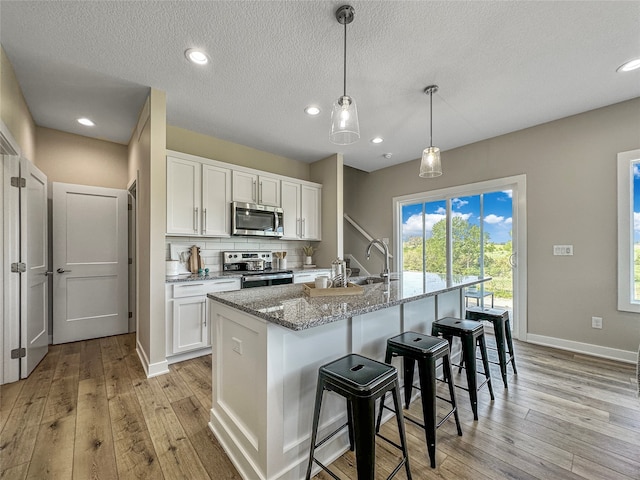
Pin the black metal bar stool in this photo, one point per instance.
(361, 381)
(504, 341)
(426, 350)
(471, 333)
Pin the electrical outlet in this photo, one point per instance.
(237, 345)
(596, 322)
(563, 249)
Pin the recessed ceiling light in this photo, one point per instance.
(377, 140)
(629, 66)
(86, 122)
(312, 110)
(197, 56)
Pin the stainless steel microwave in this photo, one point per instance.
(256, 220)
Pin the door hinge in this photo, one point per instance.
(129, 206)
(130, 261)
(18, 267)
(18, 353)
(18, 182)
(130, 314)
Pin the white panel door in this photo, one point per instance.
(89, 262)
(34, 290)
(216, 200)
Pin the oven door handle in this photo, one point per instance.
(258, 278)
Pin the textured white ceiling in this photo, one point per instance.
(501, 66)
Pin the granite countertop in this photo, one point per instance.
(289, 306)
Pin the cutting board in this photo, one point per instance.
(194, 259)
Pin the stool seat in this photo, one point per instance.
(471, 334)
(458, 325)
(359, 376)
(504, 341)
(361, 381)
(425, 350)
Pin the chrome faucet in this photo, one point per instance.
(385, 271)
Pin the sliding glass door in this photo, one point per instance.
(463, 231)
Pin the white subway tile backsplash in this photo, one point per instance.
(211, 249)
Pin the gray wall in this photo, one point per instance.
(570, 166)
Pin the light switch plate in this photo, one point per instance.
(563, 249)
(237, 345)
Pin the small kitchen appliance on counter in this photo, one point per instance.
(256, 269)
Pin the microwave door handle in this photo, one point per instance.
(276, 221)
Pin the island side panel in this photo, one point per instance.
(294, 358)
(238, 412)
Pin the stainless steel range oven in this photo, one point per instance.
(255, 268)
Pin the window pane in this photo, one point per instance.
(435, 238)
(412, 245)
(635, 195)
(465, 235)
(497, 225)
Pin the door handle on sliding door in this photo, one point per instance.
(62, 270)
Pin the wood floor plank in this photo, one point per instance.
(19, 472)
(194, 419)
(174, 386)
(8, 395)
(175, 453)
(53, 454)
(135, 455)
(18, 437)
(110, 349)
(592, 470)
(195, 374)
(91, 359)
(94, 455)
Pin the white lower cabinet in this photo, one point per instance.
(304, 277)
(188, 328)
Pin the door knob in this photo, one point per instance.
(62, 270)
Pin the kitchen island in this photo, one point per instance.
(268, 344)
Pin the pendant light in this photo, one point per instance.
(344, 116)
(430, 166)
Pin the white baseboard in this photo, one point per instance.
(181, 357)
(584, 348)
(151, 369)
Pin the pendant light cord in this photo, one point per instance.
(431, 119)
(345, 60)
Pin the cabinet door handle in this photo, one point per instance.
(260, 196)
(195, 220)
(298, 227)
(204, 220)
(253, 192)
(302, 230)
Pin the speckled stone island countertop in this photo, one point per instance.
(289, 306)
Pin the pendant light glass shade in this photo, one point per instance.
(430, 165)
(344, 122)
(345, 128)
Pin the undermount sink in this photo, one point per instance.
(368, 280)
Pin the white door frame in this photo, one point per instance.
(518, 183)
(10, 224)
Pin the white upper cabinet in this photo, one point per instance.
(198, 198)
(216, 194)
(302, 212)
(200, 192)
(183, 196)
(253, 188)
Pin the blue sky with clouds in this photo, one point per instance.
(636, 202)
(497, 215)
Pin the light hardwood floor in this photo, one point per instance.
(88, 412)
